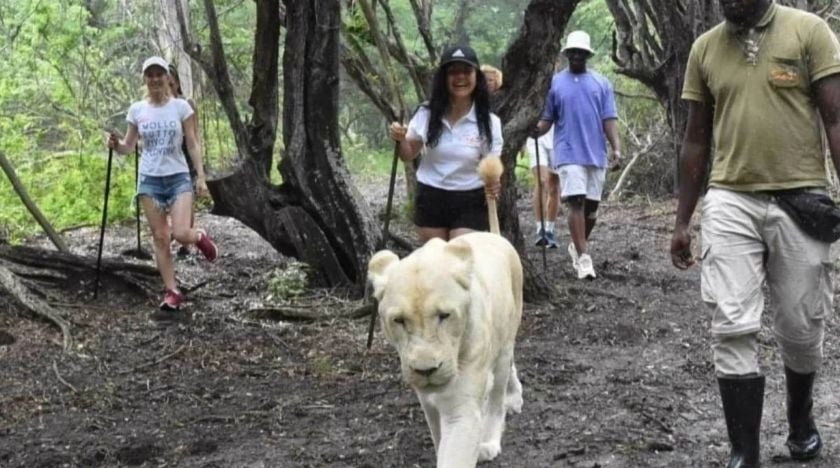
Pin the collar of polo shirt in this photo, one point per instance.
(470, 116)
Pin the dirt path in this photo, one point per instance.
(618, 374)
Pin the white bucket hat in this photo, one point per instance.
(578, 40)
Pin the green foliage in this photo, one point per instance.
(288, 282)
(69, 190)
(70, 68)
(364, 161)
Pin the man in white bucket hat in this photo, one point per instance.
(581, 105)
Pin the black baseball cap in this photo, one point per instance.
(462, 54)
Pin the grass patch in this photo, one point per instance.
(363, 161)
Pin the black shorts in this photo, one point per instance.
(450, 209)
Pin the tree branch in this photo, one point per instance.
(17, 185)
(365, 76)
(397, 49)
(382, 46)
(264, 88)
(423, 15)
(215, 67)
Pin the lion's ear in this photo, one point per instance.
(462, 265)
(379, 270)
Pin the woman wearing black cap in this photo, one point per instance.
(457, 130)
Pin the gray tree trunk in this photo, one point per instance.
(315, 215)
(172, 44)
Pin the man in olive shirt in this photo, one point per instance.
(758, 86)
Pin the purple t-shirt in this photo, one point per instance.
(578, 104)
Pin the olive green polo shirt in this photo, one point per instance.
(767, 129)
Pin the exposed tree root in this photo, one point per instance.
(67, 270)
(28, 275)
(21, 295)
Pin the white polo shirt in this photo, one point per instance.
(453, 163)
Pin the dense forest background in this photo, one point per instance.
(71, 68)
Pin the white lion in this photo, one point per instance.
(452, 311)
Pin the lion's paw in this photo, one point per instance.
(513, 403)
(489, 450)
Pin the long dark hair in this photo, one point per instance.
(173, 70)
(439, 103)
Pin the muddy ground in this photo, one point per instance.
(616, 374)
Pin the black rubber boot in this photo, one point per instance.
(804, 440)
(743, 400)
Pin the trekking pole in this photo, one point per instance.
(138, 252)
(137, 199)
(385, 234)
(394, 89)
(104, 220)
(540, 203)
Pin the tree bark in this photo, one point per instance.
(315, 215)
(312, 164)
(172, 43)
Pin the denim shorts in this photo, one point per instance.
(164, 190)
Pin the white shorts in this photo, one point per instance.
(546, 154)
(581, 180)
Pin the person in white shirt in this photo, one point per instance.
(163, 122)
(457, 130)
(548, 186)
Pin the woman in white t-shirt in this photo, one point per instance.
(457, 130)
(163, 122)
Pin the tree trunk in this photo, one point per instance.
(312, 164)
(527, 67)
(315, 215)
(172, 44)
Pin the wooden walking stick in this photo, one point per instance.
(490, 170)
(104, 220)
(391, 80)
(540, 203)
(385, 233)
(137, 252)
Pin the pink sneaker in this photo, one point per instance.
(172, 300)
(206, 245)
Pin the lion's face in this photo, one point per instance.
(423, 304)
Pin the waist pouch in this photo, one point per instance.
(814, 213)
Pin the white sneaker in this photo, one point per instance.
(573, 254)
(585, 270)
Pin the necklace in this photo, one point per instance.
(751, 44)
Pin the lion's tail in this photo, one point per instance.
(490, 169)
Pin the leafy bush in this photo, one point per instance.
(69, 190)
(287, 283)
